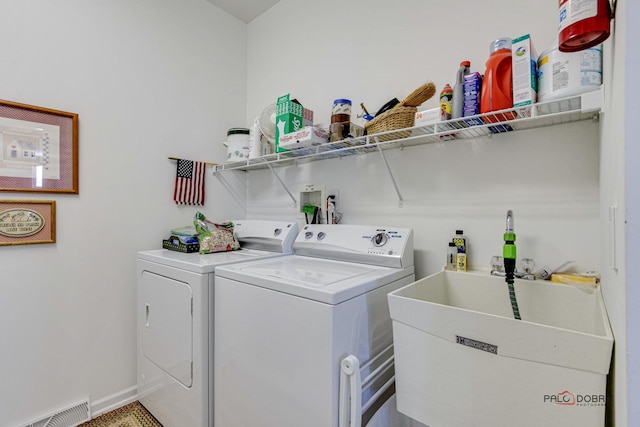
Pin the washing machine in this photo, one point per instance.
(283, 325)
(175, 301)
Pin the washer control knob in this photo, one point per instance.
(380, 239)
(308, 234)
(321, 235)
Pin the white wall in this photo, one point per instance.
(631, 13)
(149, 79)
(612, 194)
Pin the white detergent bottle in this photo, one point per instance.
(255, 145)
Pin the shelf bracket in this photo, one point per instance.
(295, 203)
(393, 179)
(229, 189)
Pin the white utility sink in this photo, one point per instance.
(462, 359)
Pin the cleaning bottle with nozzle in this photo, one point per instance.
(509, 256)
(446, 102)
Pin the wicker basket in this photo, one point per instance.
(395, 118)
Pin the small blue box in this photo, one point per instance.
(472, 87)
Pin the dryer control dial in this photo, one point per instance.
(380, 239)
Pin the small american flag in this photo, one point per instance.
(189, 183)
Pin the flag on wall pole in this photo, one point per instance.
(189, 188)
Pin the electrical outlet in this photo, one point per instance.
(311, 195)
(332, 204)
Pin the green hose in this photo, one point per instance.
(509, 256)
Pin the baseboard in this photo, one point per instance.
(114, 401)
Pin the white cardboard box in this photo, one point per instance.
(427, 117)
(524, 62)
(303, 138)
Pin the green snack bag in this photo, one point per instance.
(214, 237)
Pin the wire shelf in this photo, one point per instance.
(551, 113)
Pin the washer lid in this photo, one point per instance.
(323, 280)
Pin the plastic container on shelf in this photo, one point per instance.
(446, 104)
(460, 240)
(237, 144)
(471, 99)
(497, 86)
(341, 111)
(340, 119)
(583, 24)
(458, 90)
(452, 253)
(564, 74)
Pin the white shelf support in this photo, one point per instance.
(295, 202)
(393, 179)
(230, 189)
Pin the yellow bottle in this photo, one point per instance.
(461, 261)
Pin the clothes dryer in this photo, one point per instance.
(283, 326)
(175, 321)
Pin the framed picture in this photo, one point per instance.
(24, 222)
(38, 149)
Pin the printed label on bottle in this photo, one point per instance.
(461, 262)
(459, 241)
(572, 11)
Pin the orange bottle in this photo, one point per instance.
(497, 85)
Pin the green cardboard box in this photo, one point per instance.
(291, 116)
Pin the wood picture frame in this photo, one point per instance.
(38, 149)
(24, 222)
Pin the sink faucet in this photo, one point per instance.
(497, 269)
(509, 255)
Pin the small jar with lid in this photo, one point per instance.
(341, 111)
(340, 119)
(237, 144)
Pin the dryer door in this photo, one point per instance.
(168, 324)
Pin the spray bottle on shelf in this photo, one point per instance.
(458, 90)
(446, 97)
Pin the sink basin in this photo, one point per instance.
(462, 359)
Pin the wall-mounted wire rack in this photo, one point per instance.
(580, 107)
(587, 106)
